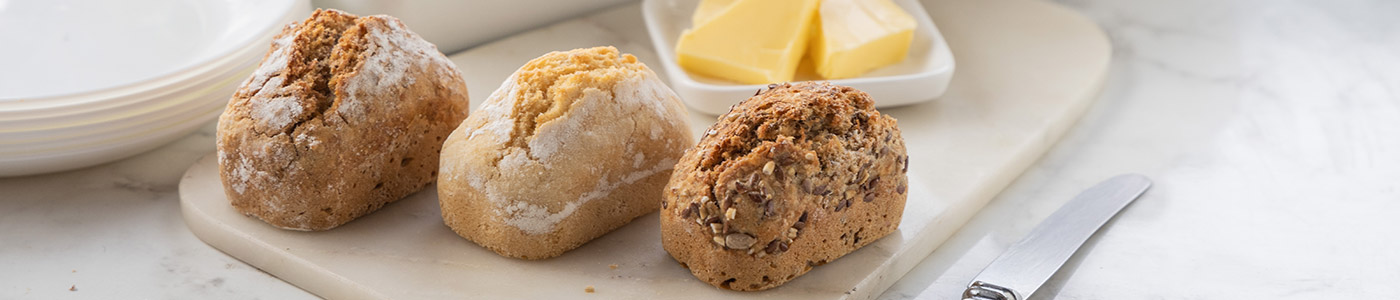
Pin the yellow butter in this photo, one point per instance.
(852, 37)
(707, 10)
(748, 41)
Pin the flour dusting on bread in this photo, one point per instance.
(561, 133)
(391, 51)
(571, 146)
(276, 59)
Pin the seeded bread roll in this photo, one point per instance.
(794, 177)
(573, 145)
(344, 115)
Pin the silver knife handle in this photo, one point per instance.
(1019, 271)
(979, 290)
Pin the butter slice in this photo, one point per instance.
(852, 37)
(707, 10)
(749, 41)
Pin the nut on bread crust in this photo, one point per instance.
(344, 115)
(573, 145)
(793, 177)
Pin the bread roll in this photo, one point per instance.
(573, 145)
(793, 177)
(344, 115)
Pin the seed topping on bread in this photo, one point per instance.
(789, 179)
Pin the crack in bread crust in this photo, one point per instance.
(549, 85)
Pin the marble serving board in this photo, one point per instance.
(1026, 71)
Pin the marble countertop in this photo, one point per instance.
(1271, 128)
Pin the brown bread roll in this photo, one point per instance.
(792, 178)
(344, 115)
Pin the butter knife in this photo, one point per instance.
(1019, 271)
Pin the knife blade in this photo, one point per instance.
(1019, 271)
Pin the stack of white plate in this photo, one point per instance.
(83, 82)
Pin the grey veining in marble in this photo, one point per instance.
(114, 232)
(1272, 129)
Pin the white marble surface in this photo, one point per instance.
(1272, 129)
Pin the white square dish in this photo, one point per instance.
(922, 76)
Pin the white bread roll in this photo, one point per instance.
(573, 145)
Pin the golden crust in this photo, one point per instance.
(571, 146)
(793, 177)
